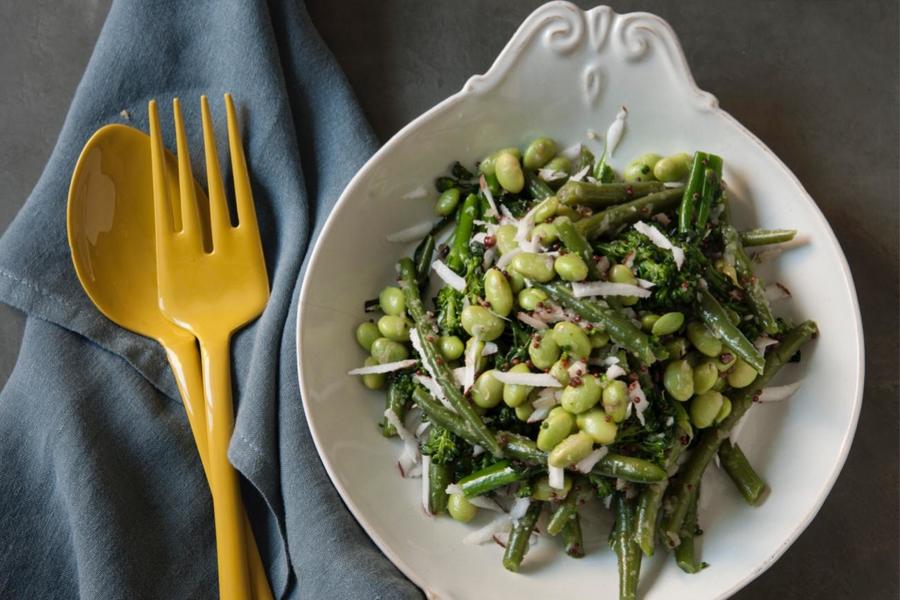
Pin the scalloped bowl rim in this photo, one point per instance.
(496, 71)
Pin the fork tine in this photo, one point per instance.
(161, 207)
(218, 208)
(190, 215)
(243, 195)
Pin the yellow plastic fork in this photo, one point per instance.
(212, 294)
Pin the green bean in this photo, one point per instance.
(564, 513)
(620, 329)
(366, 333)
(397, 399)
(651, 500)
(627, 468)
(423, 257)
(438, 366)
(465, 221)
(627, 551)
(577, 245)
(538, 189)
(684, 553)
(520, 537)
(490, 478)
(694, 189)
(571, 535)
(721, 326)
(584, 193)
(746, 480)
(756, 294)
(440, 415)
(712, 189)
(615, 217)
(763, 237)
(691, 472)
(439, 477)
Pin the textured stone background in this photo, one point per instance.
(817, 81)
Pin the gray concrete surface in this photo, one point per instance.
(817, 81)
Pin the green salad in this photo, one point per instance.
(565, 334)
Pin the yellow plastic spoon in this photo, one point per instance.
(111, 236)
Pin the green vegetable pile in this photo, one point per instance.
(590, 330)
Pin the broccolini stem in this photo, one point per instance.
(584, 193)
(690, 473)
(627, 551)
(397, 400)
(459, 248)
(615, 217)
(431, 357)
(762, 237)
(520, 536)
(620, 329)
(715, 317)
(745, 478)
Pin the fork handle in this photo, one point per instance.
(234, 581)
(184, 360)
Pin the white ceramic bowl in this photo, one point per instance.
(563, 72)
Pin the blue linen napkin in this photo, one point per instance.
(101, 491)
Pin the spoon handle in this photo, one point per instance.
(184, 360)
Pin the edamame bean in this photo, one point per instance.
(724, 411)
(705, 376)
(677, 348)
(514, 394)
(667, 324)
(543, 350)
(741, 375)
(704, 409)
(673, 168)
(571, 450)
(636, 171)
(487, 391)
(539, 152)
(615, 400)
(447, 202)
(560, 372)
(598, 338)
(571, 267)
(394, 328)
(546, 209)
(572, 338)
(599, 425)
(451, 347)
(554, 429)
(703, 339)
(560, 163)
(545, 234)
(529, 298)
(678, 379)
(373, 381)
(506, 238)
(648, 320)
(366, 333)
(497, 292)
(650, 159)
(480, 361)
(487, 166)
(516, 281)
(542, 491)
(392, 301)
(622, 274)
(509, 172)
(481, 323)
(533, 266)
(725, 361)
(524, 410)
(386, 351)
(460, 508)
(577, 399)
